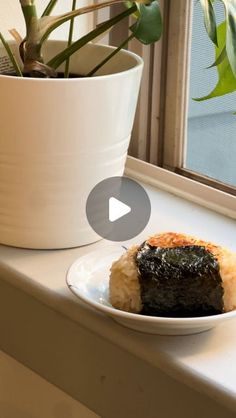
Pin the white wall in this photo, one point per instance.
(11, 17)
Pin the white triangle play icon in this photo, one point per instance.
(117, 209)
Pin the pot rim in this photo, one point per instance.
(139, 65)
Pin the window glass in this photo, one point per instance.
(211, 136)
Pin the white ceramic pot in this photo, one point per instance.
(58, 139)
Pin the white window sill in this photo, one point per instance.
(205, 362)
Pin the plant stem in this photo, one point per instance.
(56, 21)
(49, 8)
(11, 56)
(31, 47)
(70, 38)
(113, 53)
(75, 46)
(30, 13)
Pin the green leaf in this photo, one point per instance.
(46, 25)
(111, 55)
(230, 11)
(210, 20)
(70, 37)
(219, 59)
(49, 8)
(227, 82)
(148, 28)
(129, 4)
(75, 46)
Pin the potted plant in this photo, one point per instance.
(67, 110)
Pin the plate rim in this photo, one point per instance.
(155, 320)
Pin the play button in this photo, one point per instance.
(118, 208)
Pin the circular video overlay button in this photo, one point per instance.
(118, 208)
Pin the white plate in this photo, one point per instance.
(88, 278)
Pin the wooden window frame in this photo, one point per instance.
(177, 65)
(167, 145)
(177, 81)
(160, 125)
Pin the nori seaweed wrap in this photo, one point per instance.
(182, 281)
(174, 275)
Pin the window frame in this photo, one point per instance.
(177, 82)
(189, 189)
(177, 68)
(157, 148)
